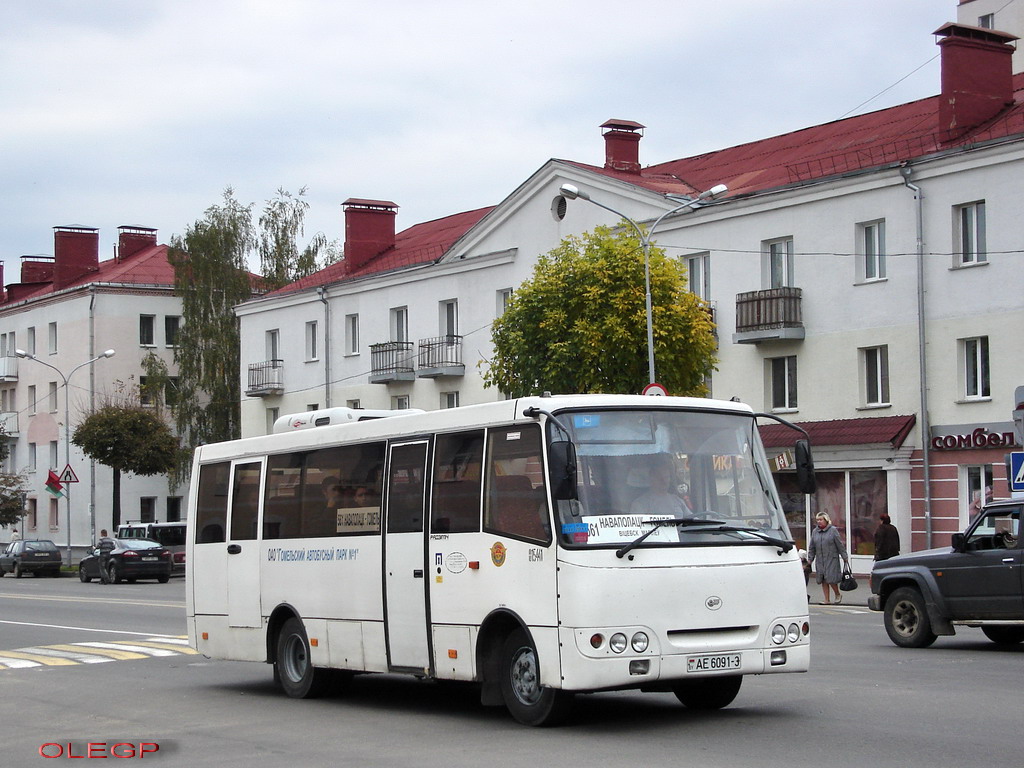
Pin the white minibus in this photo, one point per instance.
(540, 547)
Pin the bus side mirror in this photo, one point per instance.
(562, 470)
(805, 467)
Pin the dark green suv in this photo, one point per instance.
(31, 556)
(976, 582)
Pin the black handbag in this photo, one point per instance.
(848, 583)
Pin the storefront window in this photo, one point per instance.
(830, 498)
(794, 506)
(869, 499)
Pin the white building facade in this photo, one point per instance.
(865, 277)
(68, 310)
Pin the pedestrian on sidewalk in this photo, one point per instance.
(827, 548)
(887, 539)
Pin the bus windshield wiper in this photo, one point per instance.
(656, 524)
(782, 544)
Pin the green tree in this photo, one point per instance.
(281, 225)
(579, 323)
(12, 489)
(211, 277)
(127, 438)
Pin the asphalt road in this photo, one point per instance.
(865, 702)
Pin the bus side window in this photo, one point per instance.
(245, 501)
(516, 503)
(212, 503)
(455, 502)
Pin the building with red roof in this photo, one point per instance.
(69, 309)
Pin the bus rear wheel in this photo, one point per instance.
(525, 698)
(708, 692)
(293, 667)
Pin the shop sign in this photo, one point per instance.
(979, 438)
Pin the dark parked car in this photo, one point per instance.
(130, 559)
(30, 556)
(976, 582)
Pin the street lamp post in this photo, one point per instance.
(572, 192)
(67, 418)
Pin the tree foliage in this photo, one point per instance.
(12, 488)
(281, 225)
(579, 323)
(127, 438)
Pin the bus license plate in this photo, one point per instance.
(712, 663)
(150, 559)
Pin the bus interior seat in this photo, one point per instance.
(517, 506)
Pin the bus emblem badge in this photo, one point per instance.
(713, 603)
(498, 554)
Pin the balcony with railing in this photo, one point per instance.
(8, 368)
(392, 361)
(9, 423)
(265, 379)
(771, 315)
(440, 356)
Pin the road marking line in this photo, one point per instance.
(83, 658)
(42, 659)
(111, 652)
(131, 648)
(149, 603)
(172, 649)
(7, 663)
(86, 629)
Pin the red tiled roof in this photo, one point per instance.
(419, 244)
(148, 266)
(879, 138)
(872, 430)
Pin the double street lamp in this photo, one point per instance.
(67, 419)
(572, 192)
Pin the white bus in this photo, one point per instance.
(540, 547)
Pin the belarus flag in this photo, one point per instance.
(53, 485)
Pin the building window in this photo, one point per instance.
(969, 225)
(31, 457)
(351, 334)
(400, 324)
(399, 402)
(147, 509)
(172, 324)
(311, 341)
(54, 517)
(449, 400)
(976, 375)
(30, 341)
(146, 399)
(988, 21)
(312, 406)
(33, 514)
(978, 491)
(698, 275)
(778, 263)
(273, 341)
(782, 383)
(272, 416)
(8, 344)
(875, 367)
(31, 398)
(171, 391)
(52, 335)
(53, 455)
(147, 335)
(871, 243)
(173, 509)
(504, 297)
(53, 397)
(355, 405)
(448, 316)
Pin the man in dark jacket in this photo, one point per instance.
(887, 539)
(104, 545)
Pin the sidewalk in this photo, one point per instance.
(859, 596)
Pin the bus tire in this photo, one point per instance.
(708, 692)
(293, 667)
(525, 698)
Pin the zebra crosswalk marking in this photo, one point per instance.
(46, 661)
(94, 652)
(109, 652)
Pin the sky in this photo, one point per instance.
(142, 112)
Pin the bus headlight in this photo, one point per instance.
(793, 634)
(778, 634)
(640, 642)
(617, 642)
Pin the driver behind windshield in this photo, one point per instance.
(659, 498)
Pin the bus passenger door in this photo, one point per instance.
(243, 545)
(404, 566)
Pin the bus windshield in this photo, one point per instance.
(705, 469)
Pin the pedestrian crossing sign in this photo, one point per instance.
(1017, 471)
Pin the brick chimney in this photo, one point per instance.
(36, 269)
(369, 230)
(622, 145)
(131, 240)
(76, 253)
(977, 77)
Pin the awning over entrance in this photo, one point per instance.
(871, 430)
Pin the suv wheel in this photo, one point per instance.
(906, 619)
(1004, 635)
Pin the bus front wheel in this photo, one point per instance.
(293, 667)
(708, 692)
(525, 698)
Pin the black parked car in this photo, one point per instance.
(130, 559)
(975, 582)
(30, 556)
